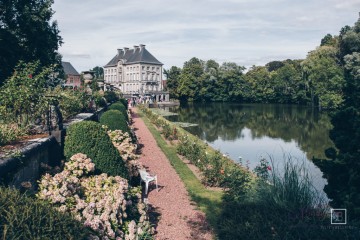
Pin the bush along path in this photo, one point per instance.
(178, 217)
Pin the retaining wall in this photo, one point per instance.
(23, 168)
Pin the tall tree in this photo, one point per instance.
(325, 77)
(98, 72)
(28, 34)
(286, 81)
(343, 169)
(190, 80)
(172, 80)
(328, 40)
(260, 83)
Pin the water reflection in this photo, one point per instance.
(252, 131)
(226, 122)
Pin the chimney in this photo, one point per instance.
(120, 51)
(125, 49)
(136, 47)
(142, 46)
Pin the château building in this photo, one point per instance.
(134, 71)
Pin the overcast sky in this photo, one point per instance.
(248, 32)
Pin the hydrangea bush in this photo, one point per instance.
(123, 143)
(100, 202)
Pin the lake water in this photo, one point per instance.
(252, 131)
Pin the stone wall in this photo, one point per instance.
(23, 168)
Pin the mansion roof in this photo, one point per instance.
(139, 54)
(69, 69)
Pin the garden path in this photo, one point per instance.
(178, 219)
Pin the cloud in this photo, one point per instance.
(248, 31)
(76, 55)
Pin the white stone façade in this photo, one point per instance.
(134, 71)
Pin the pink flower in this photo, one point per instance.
(268, 168)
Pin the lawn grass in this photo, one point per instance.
(208, 201)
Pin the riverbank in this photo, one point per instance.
(177, 217)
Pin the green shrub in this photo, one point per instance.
(286, 206)
(115, 120)
(10, 133)
(99, 100)
(119, 106)
(22, 217)
(71, 101)
(124, 102)
(110, 96)
(91, 139)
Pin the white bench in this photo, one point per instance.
(146, 178)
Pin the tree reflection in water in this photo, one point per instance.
(252, 130)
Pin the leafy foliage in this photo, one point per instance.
(98, 72)
(21, 95)
(172, 83)
(115, 120)
(317, 80)
(284, 206)
(10, 133)
(27, 33)
(120, 107)
(71, 102)
(325, 76)
(124, 102)
(22, 217)
(342, 170)
(110, 96)
(91, 139)
(99, 99)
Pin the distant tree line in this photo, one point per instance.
(318, 80)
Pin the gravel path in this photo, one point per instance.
(177, 217)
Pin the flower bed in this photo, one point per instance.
(216, 169)
(104, 203)
(123, 143)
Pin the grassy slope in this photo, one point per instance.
(208, 201)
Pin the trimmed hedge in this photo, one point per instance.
(124, 102)
(22, 217)
(90, 138)
(110, 96)
(115, 120)
(120, 107)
